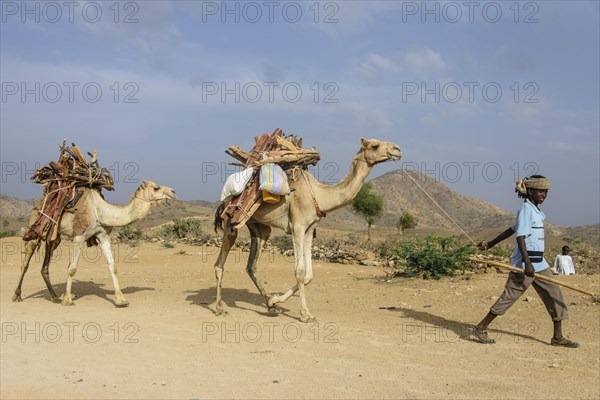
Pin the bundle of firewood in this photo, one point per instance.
(287, 151)
(73, 169)
(60, 180)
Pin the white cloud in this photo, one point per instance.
(422, 63)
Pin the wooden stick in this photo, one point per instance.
(538, 276)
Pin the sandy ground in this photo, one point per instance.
(169, 344)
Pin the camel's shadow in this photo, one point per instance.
(88, 288)
(447, 329)
(232, 298)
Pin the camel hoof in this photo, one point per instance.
(17, 298)
(55, 299)
(121, 303)
(307, 318)
(274, 310)
(67, 300)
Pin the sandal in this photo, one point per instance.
(564, 342)
(482, 336)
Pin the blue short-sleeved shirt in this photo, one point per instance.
(530, 223)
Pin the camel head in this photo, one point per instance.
(375, 151)
(153, 192)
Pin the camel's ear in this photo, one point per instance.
(369, 144)
(144, 184)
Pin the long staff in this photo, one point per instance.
(538, 276)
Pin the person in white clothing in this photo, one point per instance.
(563, 264)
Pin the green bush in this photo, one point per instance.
(130, 235)
(181, 228)
(7, 233)
(432, 257)
(406, 221)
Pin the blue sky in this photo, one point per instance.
(477, 94)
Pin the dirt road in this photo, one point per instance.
(169, 344)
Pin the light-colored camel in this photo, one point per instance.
(298, 214)
(93, 217)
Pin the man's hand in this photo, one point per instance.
(483, 245)
(529, 270)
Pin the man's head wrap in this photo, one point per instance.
(532, 183)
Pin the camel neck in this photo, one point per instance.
(332, 197)
(121, 215)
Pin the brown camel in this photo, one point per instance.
(93, 217)
(298, 214)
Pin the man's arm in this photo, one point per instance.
(488, 245)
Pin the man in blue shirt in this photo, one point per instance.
(529, 256)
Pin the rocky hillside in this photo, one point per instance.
(14, 212)
(401, 194)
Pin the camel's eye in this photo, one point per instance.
(375, 146)
(156, 188)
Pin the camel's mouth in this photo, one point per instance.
(169, 196)
(166, 196)
(395, 154)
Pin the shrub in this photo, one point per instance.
(282, 242)
(7, 233)
(432, 257)
(130, 235)
(181, 228)
(406, 221)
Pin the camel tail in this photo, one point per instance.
(218, 219)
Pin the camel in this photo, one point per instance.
(92, 218)
(298, 214)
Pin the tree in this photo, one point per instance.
(369, 205)
(406, 221)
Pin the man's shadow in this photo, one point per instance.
(231, 298)
(460, 329)
(82, 289)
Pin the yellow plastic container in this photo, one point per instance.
(270, 198)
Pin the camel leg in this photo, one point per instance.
(304, 274)
(308, 239)
(105, 247)
(259, 233)
(29, 250)
(298, 238)
(229, 236)
(72, 268)
(49, 251)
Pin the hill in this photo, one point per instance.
(400, 193)
(14, 212)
